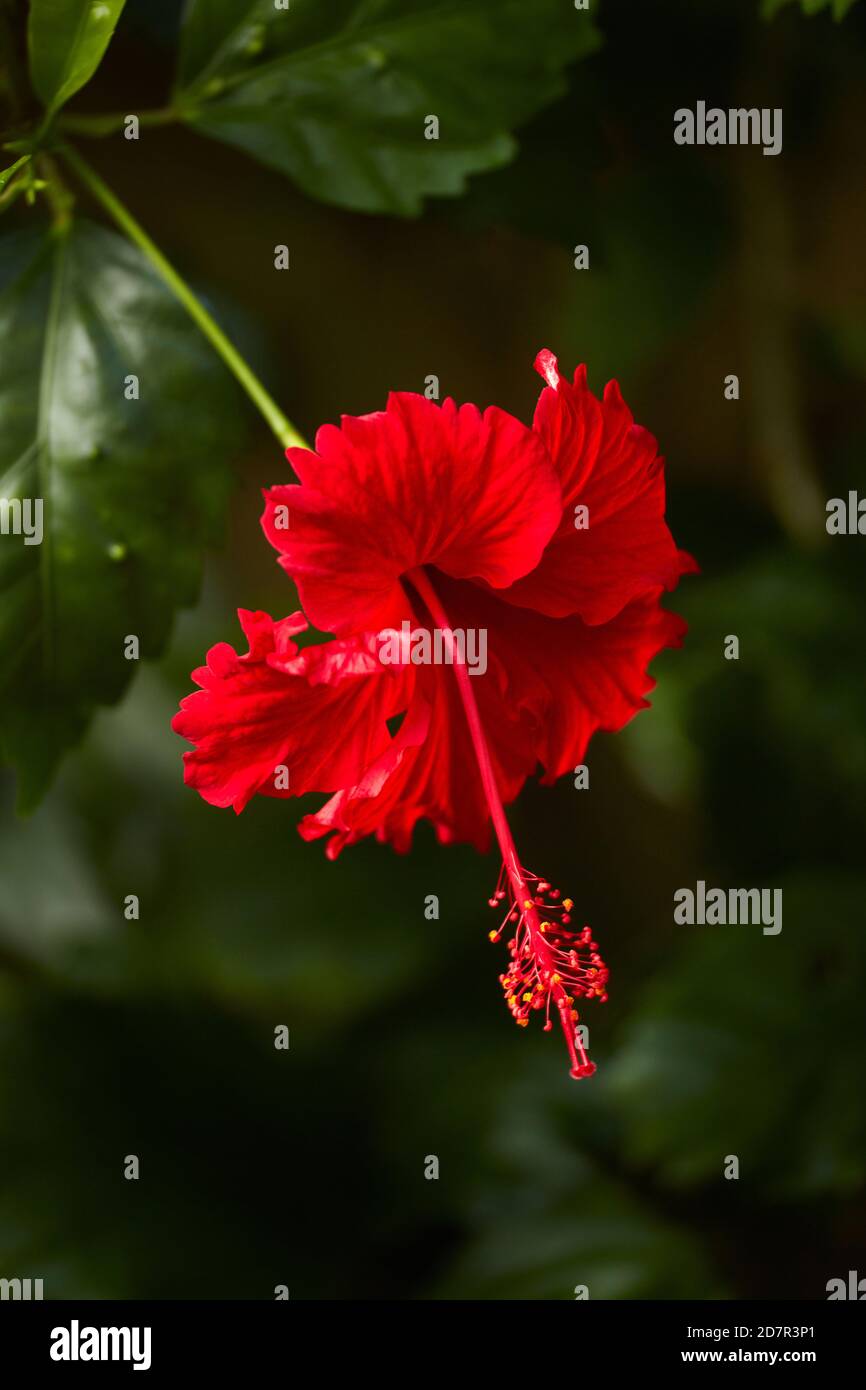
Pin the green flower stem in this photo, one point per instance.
(59, 198)
(7, 175)
(109, 124)
(281, 426)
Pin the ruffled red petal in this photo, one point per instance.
(320, 713)
(611, 466)
(566, 679)
(435, 777)
(418, 483)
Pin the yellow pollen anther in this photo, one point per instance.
(567, 904)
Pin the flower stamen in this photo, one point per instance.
(550, 963)
(547, 959)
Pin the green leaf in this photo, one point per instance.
(131, 489)
(67, 40)
(7, 174)
(337, 95)
(840, 8)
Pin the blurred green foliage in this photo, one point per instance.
(155, 1036)
(838, 8)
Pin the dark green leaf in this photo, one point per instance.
(337, 95)
(131, 489)
(67, 39)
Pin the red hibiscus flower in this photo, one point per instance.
(494, 590)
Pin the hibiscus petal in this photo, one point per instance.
(611, 466)
(475, 494)
(321, 713)
(550, 684)
(432, 772)
(566, 679)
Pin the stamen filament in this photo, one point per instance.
(550, 964)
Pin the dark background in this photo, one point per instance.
(155, 1037)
